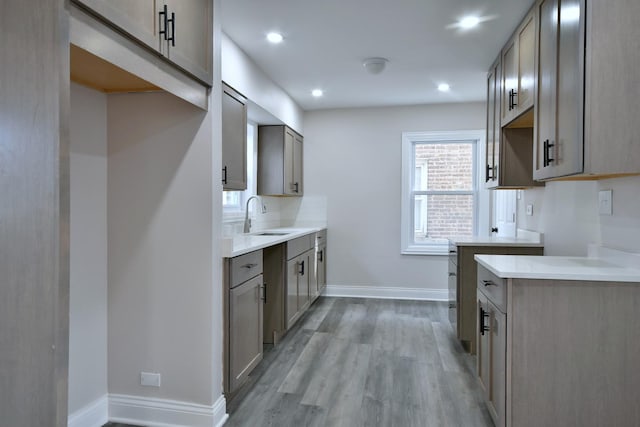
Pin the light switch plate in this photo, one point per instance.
(605, 202)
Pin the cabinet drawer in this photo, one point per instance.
(299, 245)
(244, 267)
(493, 287)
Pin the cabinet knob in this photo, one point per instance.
(494, 229)
(488, 283)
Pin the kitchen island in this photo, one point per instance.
(462, 275)
(558, 338)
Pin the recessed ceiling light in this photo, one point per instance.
(317, 92)
(443, 87)
(469, 22)
(275, 38)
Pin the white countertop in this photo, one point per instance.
(558, 268)
(523, 238)
(495, 241)
(241, 244)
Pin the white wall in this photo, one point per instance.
(353, 157)
(163, 275)
(88, 248)
(240, 72)
(567, 213)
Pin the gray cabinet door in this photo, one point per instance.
(292, 163)
(191, 48)
(280, 168)
(234, 140)
(493, 125)
(306, 280)
(294, 267)
(138, 18)
(483, 343)
(559, 141)
(298, 165)
(183, 35)
(497, 370)
(245, 330)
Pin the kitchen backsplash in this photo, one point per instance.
(307, 211)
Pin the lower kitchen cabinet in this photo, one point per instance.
(300, 271)
(244, 299)
(559, 352)
(462, 274)
(245, 330)
(492, 343)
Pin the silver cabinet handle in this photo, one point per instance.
(488, 283)
(452, 274)
(249, 266)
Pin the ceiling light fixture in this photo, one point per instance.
(469, 22)
(444, 87)
(375, 65)
(317, 92)
(275, 38)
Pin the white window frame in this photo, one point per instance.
(409, 140)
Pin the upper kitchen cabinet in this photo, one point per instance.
(518, 68)
(279, 161)
(587, 75)
(234, 140)
(179, 30)
(508, 150)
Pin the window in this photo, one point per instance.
(233, 201)
(439, 189)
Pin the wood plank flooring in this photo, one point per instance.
(364, 362)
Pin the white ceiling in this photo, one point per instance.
(327, 40)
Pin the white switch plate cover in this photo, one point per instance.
(605, 202)
(530, 210)
(150, 379)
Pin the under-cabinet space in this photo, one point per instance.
(234, 140)
(280, 168)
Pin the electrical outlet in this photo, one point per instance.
(605, 202)
(150, 379)
(530, 210)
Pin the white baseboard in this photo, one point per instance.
(387, 292)
(154, 412)
(95, 414)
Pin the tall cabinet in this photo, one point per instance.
(280, 167)
(34, 183)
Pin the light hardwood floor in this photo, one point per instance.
(364, 362)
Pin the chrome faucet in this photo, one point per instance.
(247, 220)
